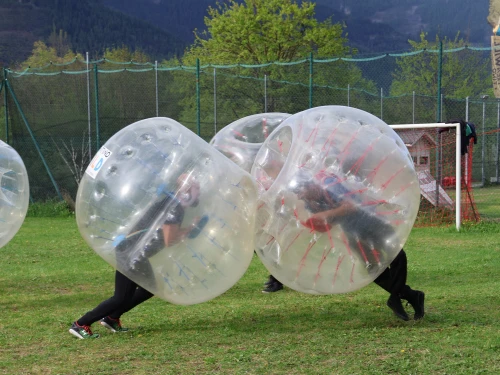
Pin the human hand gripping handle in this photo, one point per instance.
(198, 227)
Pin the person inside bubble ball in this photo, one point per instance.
(162, 224)
(328, 204)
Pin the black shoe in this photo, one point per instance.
(270, 281)
(82, 332)
(114, 325)
(416, 299)
(394, 303)
(274, 287)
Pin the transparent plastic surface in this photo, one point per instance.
(241, 140)
(156, 174)
(14, 193)
(338, 196)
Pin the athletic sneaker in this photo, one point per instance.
(416, 300)
(114, 325)
(270, 280)
(394, 303)
(82, 332)
(274, 287)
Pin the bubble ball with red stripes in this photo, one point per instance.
(241, 140)
(340, 199)
(14, 193)
(168, 211)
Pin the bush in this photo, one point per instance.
(49, 208)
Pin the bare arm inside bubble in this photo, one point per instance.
(345, 207)
(172, 234)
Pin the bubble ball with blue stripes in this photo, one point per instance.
(169, 211)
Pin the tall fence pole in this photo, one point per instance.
(265, 93)
(97, 130)
(37, 146)
(88, 105)
(413, 107)
(198, 114)
(467, 109)
(156, 87)
(498, 140)
(215, 103)
(5, 101)
(438, 118)
(348, 94)
(311, 61)
(439, 73)
(381, 103)
(483, 144)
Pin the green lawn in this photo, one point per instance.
(49, 277)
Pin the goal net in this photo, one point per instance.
(445, 175)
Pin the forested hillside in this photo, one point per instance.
(90, 26)
(372, 25)
(162, 28)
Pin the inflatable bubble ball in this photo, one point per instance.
(14, 193)
(338, 196)
(241, 140)
(168, 211)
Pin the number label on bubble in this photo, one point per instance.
(98, 161)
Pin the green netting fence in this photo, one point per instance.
(59, 115)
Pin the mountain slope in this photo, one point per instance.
(91, 27)
(372, 25)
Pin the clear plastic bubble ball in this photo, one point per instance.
(14, 193)
(168, 211)
(241, 140)
(339, 199)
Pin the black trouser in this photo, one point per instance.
(127, 296)
(393, 279)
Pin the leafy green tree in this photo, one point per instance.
(43, 55)
(272, 41)
(260, 31)
(125, 54)
(463, 74)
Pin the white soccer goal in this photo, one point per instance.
(455, 126)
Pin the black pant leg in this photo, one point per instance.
(393, 279)
(139, 297)
(124, 291)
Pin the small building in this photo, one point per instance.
(419, 144)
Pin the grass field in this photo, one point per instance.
(49, 277)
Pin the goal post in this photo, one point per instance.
(458, 177)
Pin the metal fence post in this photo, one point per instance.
(265, 93)
(37, 146)
(96, 89)
(348, 94)
(483, 144)
(381, 103)
(498, 141)
(198, 114)
(311, 80)
(6, 106)
(413, 107)
(439, 72)
(215, 103)
(156, 87)
(88, 105)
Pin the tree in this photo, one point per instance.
(125, 54)
(464, 73)
(260, 31)
(43, 55)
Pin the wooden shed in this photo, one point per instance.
(420, 144)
